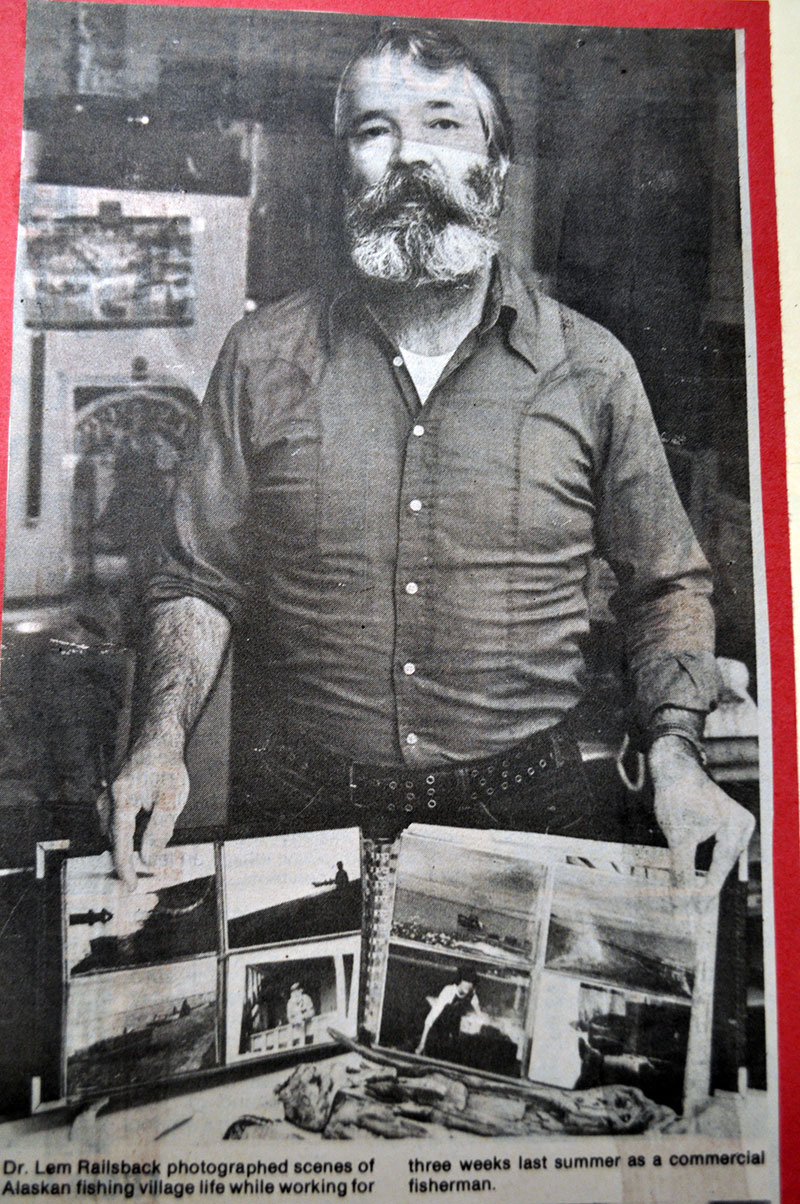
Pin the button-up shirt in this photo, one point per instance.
(413, 581)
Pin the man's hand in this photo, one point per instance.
(153, 779)
(690, 808)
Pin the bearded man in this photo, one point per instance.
(394, 497)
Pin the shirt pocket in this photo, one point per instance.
(284, 462)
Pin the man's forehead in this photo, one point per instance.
(388, 79)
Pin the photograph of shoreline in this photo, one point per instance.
(131, 1027)
(630, 936)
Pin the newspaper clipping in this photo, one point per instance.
(385, 771)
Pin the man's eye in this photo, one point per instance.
(444, 123)
(369, 132)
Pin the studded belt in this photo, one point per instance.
(533, 785)
(490, 781)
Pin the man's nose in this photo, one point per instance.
(413, 150)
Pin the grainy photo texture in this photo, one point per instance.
(379, 726)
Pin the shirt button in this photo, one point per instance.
(412, 587)
(411, 738)
(398, 361)
(409, 667)
(418, 430)
(416, 505)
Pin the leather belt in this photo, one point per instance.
(518, 789)
(535, 760)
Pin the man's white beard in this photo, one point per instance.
(422, 256)
(414, 228)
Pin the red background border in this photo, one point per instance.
(753, 17)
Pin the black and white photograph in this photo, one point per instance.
(172, 914)
(286, 1000)
(292, 888)
(130, 1028)
(547, 958)
(623, 932)
(472, 1013)
(589, 1036)
(382, 423)
(468, 900)
(108, 269)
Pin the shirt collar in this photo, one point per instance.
(518, 309)
(510, 303)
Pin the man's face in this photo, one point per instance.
(464, 988)
(423, 195)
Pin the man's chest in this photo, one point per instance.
(500, 456)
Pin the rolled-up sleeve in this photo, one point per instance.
(663, 600)
(203, 551)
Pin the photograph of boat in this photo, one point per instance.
(140, 1026)
(293, 888)
(466, 899)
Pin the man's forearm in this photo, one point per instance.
(184, 647)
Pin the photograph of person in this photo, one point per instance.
(427, 628)
(286, 999)
(442, 1028)
(471, 1014)
(292, 887)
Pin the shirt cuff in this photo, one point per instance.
(168, 587)
(688, 680)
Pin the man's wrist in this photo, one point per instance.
(670, 740)
(676, 732)
(163, 742)
(671, 756)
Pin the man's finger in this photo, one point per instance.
(683, 860)
(731, 840)
(173, 793)
(158, 832)
(123, 827)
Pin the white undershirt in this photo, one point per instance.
(425, 370)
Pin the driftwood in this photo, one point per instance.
(352, 1114)
(608, 1109)
(344, 1098)
(309, 1094)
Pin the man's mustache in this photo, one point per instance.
(406, 191)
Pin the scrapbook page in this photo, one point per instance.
(397, 753)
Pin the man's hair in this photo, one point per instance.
(436, 51)
(465, 973)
